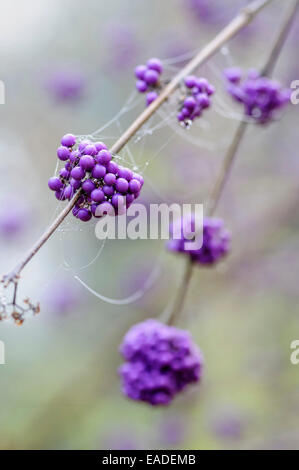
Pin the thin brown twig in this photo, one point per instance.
(229, 158)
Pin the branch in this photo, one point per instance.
(230, 156)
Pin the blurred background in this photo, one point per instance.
(69, 67)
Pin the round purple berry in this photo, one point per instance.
(84, 214)
(75, 183)
(90, 149)
(77, 173)
(141, 86)
(104, 157)
(98, 171)
(55, 184)
(125, 173)
(108, 190)
(112, 167)
(134, 186)
(151, 77)
(97, 195)
(110, 179)
(88, 186)
(68, 140)
(122, 185)
(63, 153)
(87, 162)
(190, 81)
(150, 97)
(100, 146)
(140, 71)
(155, 64)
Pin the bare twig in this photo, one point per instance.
(229, 158)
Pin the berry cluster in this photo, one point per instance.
(148, 77)
(261, 96)
(161, 361)
(106, 187)
(197, 99)
(215, 243)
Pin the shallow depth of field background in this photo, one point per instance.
(59, 388)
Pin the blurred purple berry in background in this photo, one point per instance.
(62, 296)
(66, 83)
(228, 424)
(161, 361)
(14, 218)
(172, 430)
(216, 240)
(120, 439)
(122, 44)
(261, 97)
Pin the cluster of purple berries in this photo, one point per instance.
(161, 361)
(148, 77)
(198, 92)
(215, 242)
(261, 96)
(106, 187)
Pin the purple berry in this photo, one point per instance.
(203, 100)
(90, 149)
(118, 200)
(87, 162)
(140, 71)
(112, 167)
(104, 157)
(63, 153)
(125, 173)
(155, 64)
(69, 192)
(122, 185)
(151, 77)
(74, 156)
(233, 74)
(109, 179)
(190, 103)
(83, 144)
(68, 140)
(75, 183)
(98, 171)
(100, 146)
(88, 186)
(134, 186)
(108, 190)
(97, 195)
(55, 184)
(84, 214)
(190, 81)
(64, 173)
(141, 86)
(77, 173)
(150, 97)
